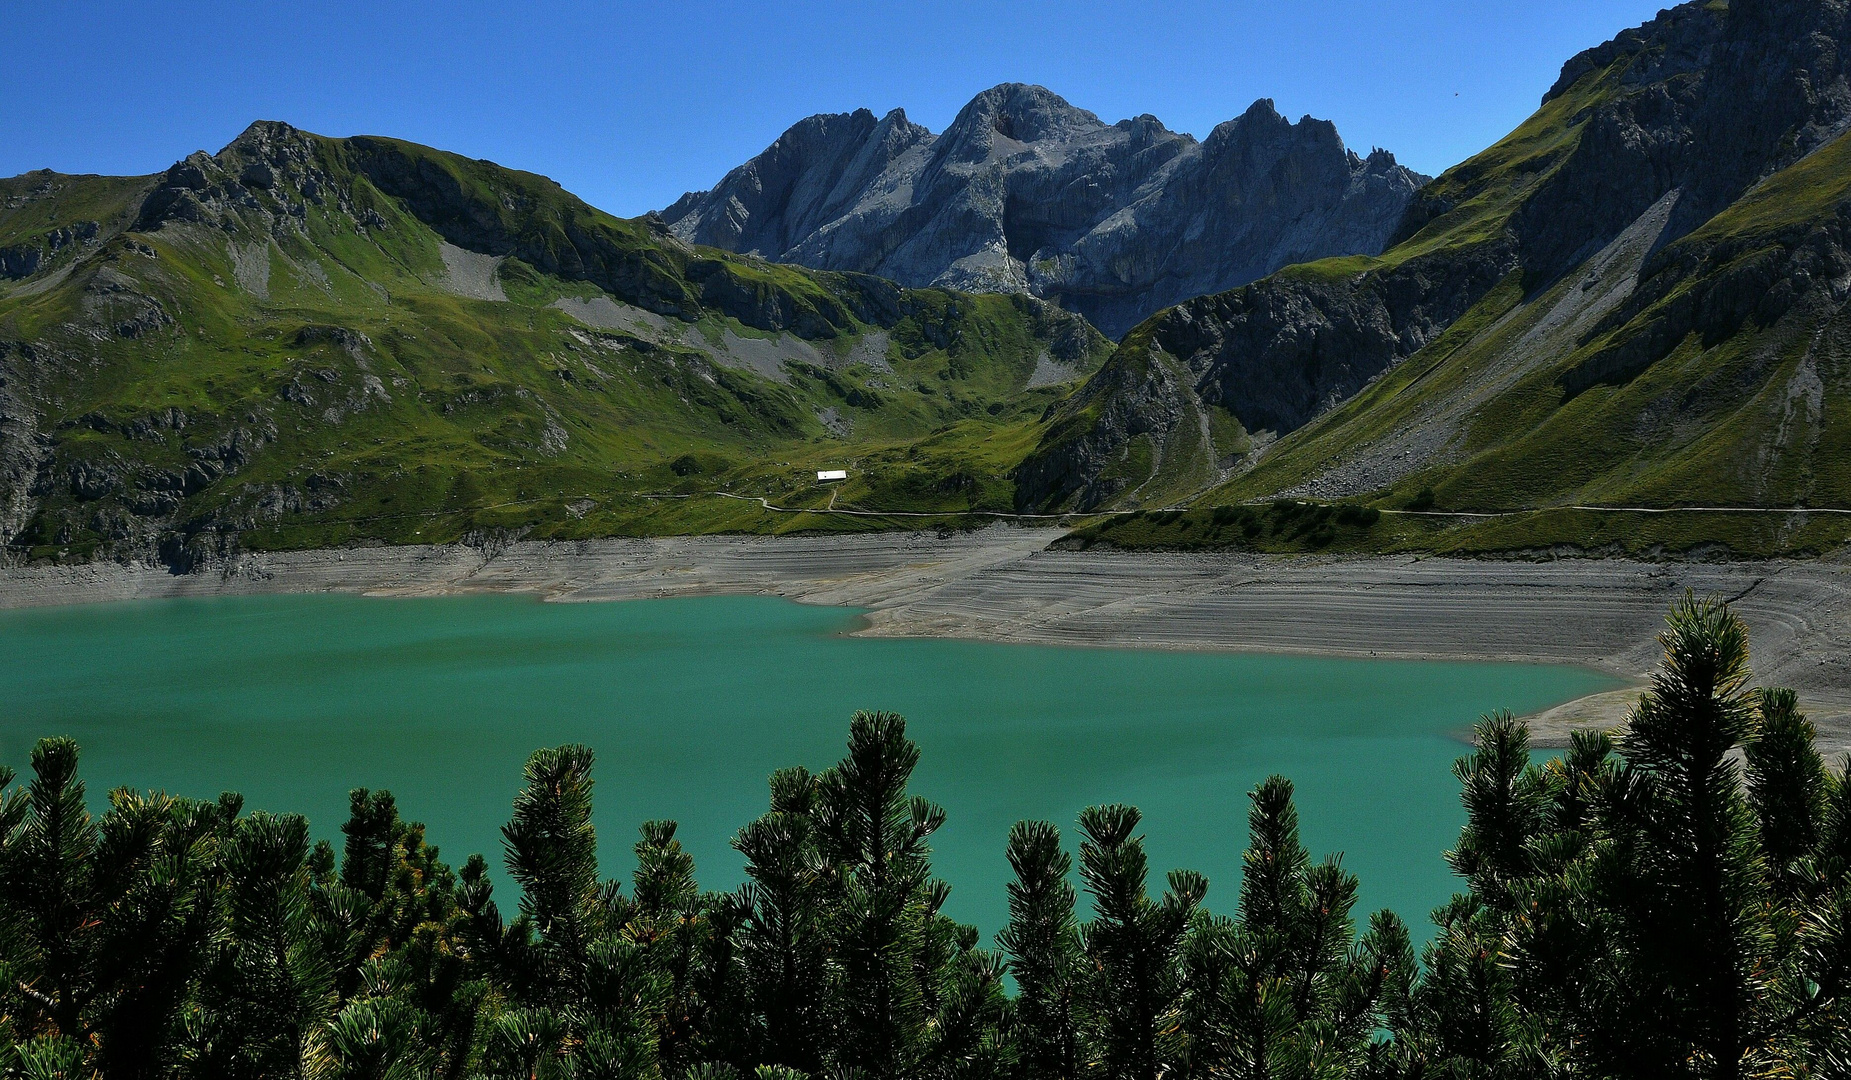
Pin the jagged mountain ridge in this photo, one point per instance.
(301, 341)
(1026, 193)
(1636, 298)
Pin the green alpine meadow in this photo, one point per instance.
(304, 342)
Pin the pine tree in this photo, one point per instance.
(1042, 944)
(268, 989)
(1787, 790)
(781, 940)
(1133, 943)
(669, 920)
(1286, 989)
(1689, 899)
(411, 1004)
(1657, 912)
(552, 854)
(580, 973)
(874, 835)
(54, 893)
(963, 1039)
(1466, 1018)
(1505, 802)
(103, 925)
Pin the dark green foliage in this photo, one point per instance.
(1637, 907)
(1280, 526)
(1285, 988)
(1133, 943)
(1787, 787)
(876, 838)
(781, 937)
(1042, 943)
(173, 937)
(1657, 913)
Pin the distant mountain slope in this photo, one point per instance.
(1025, 193)
(302, 340)
(1636, 299)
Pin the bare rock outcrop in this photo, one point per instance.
(1026, 193)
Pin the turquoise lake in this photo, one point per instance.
(691, 703)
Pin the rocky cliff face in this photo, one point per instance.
(1025, 193)
(1689, 111)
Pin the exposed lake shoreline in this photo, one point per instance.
(1003, 584)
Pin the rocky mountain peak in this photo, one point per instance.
(896, 132)
(262, 136)
(1022, 113)
(1263, 110)
(1263, 124)
(1677, 34)
(1025, 192)
(261, 180)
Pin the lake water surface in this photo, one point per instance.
(690, 703)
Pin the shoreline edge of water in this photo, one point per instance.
(1004, 584)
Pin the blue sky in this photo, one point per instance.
(629, 104)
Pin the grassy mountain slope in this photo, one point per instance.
(1635, 300)
(303, 341)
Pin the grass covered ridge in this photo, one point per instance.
(1708, 372)
(283, 346)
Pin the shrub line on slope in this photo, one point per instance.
(1619, 510)
(1002, 514)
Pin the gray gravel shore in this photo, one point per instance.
(1003, 584)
